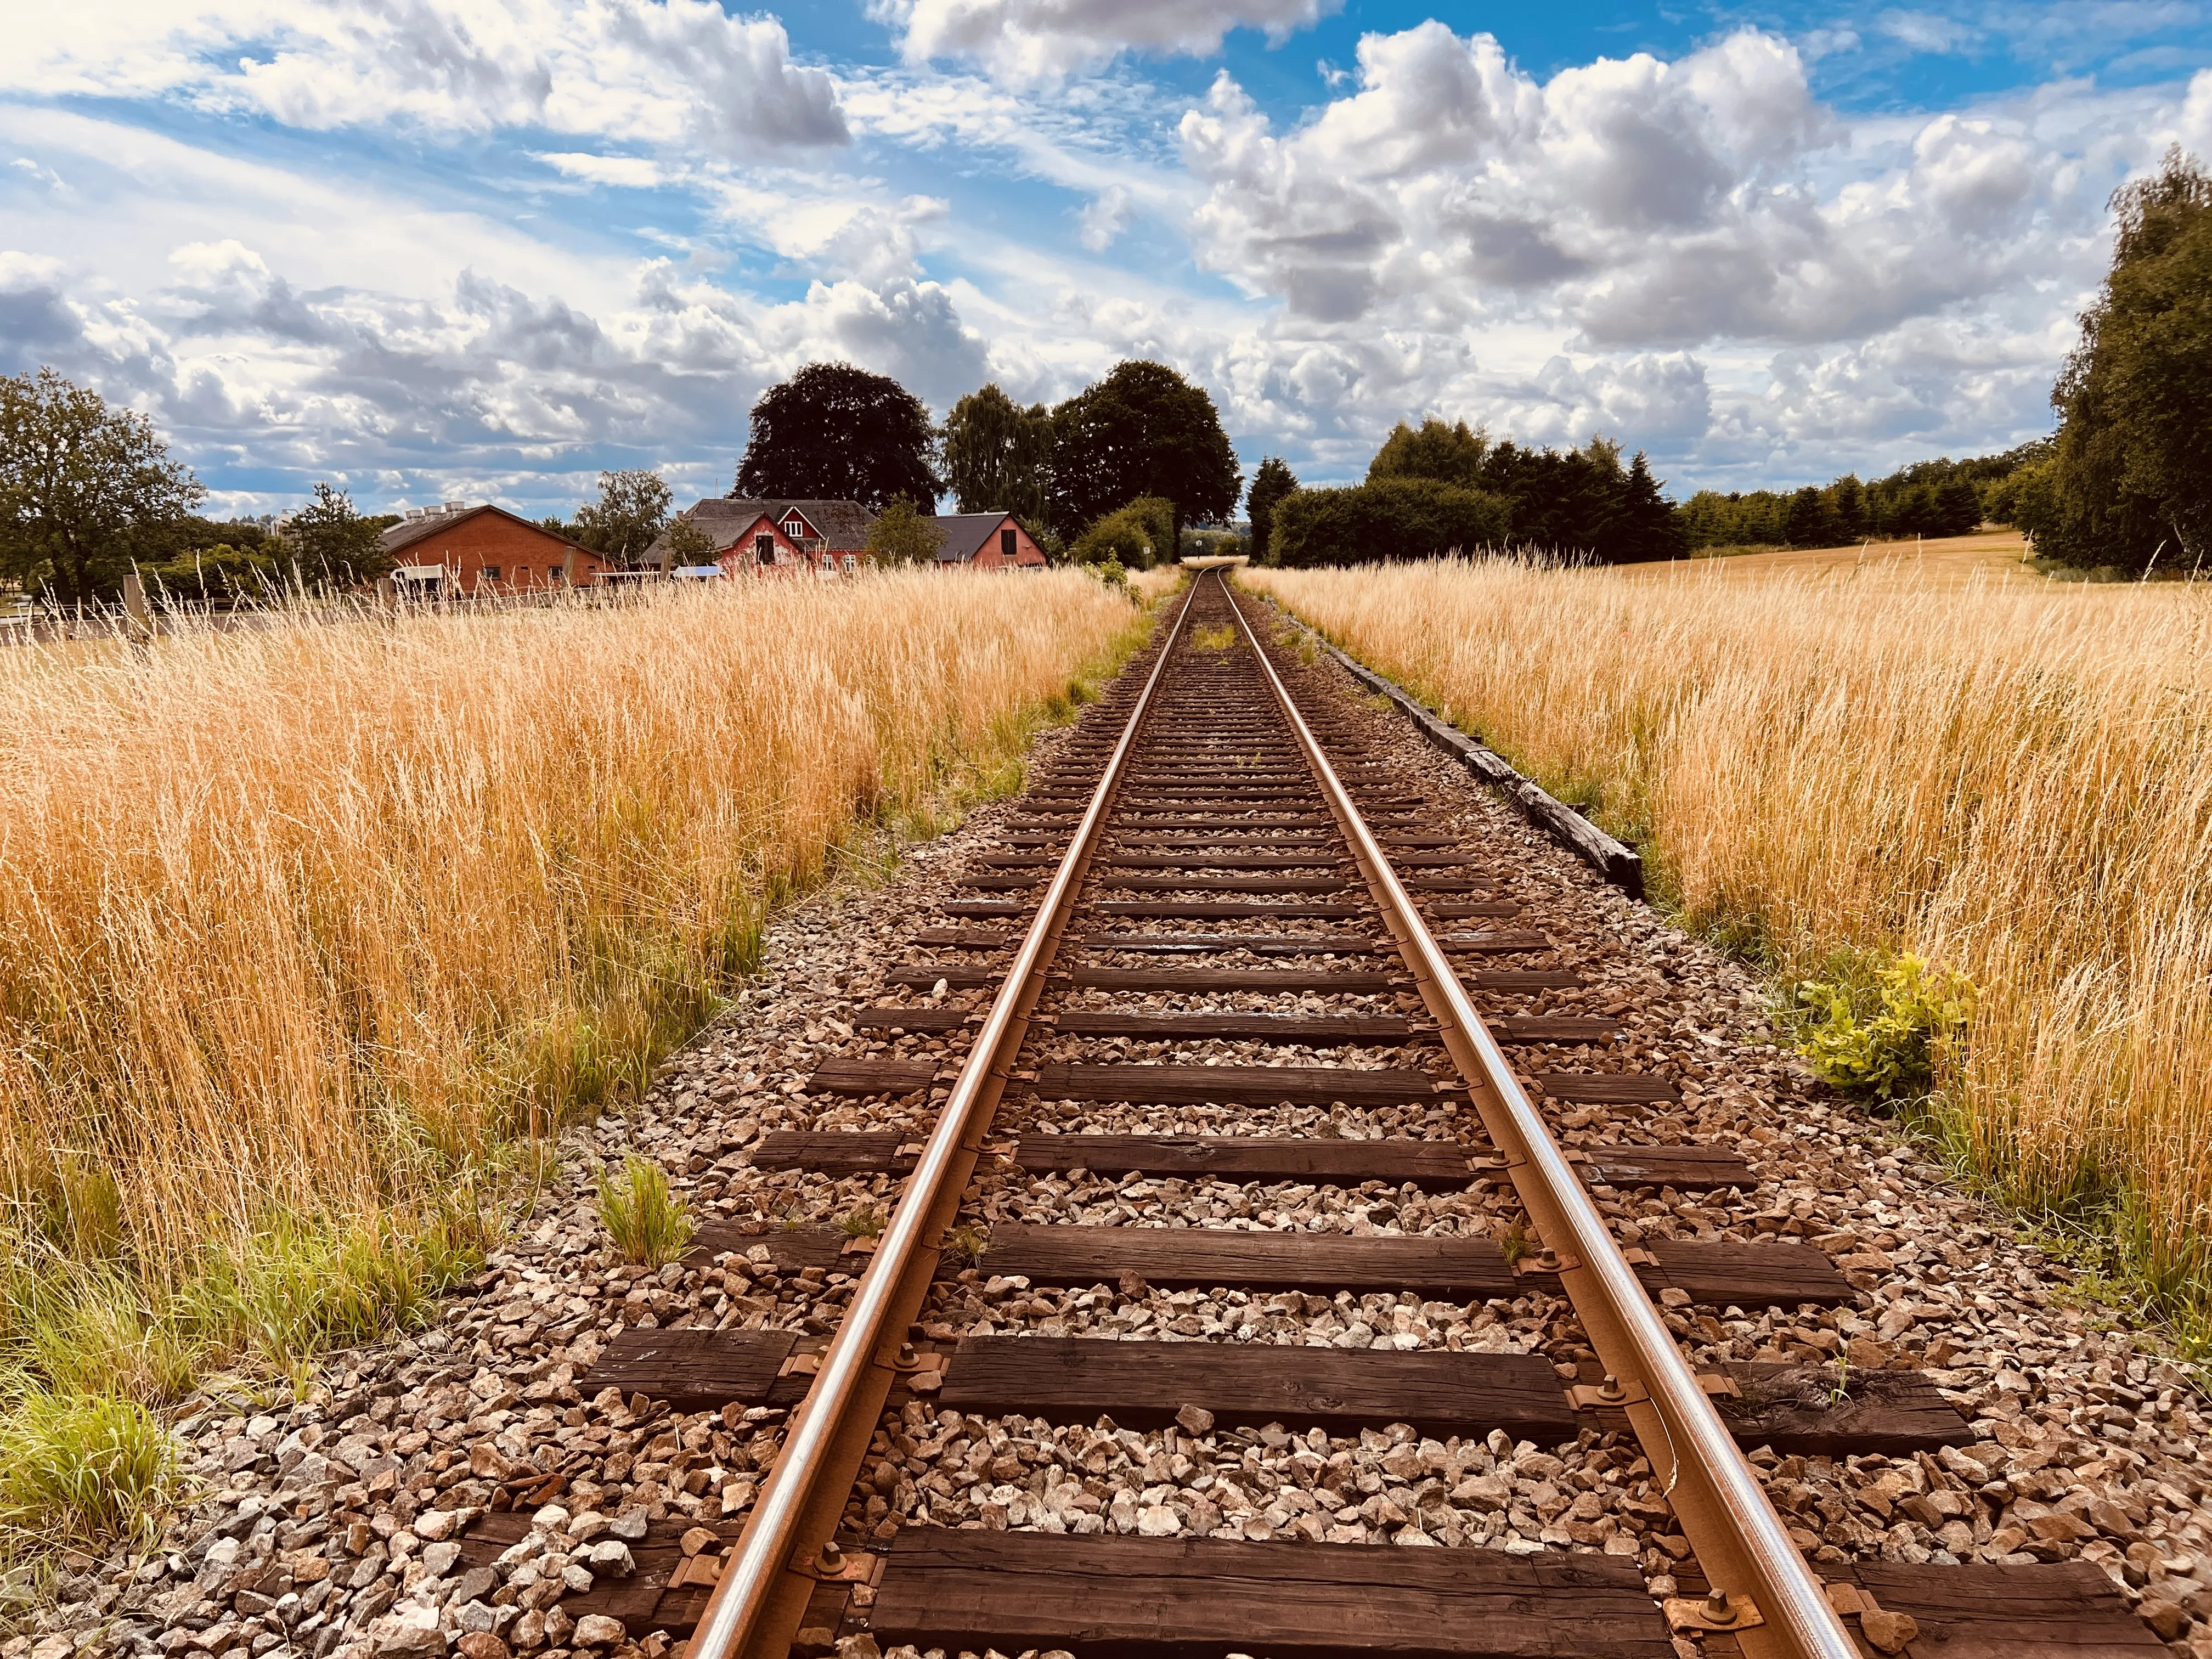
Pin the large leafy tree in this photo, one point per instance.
(904, 534)
(2131, 479)
(627, 518)
(1273, 481)
(998, 455)
(833, 431)
(1143, 431)
(1449, 454)
(84, 488)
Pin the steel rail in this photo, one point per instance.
(760, 1574)
(1764, 1592)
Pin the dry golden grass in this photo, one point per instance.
(2014, 780)
(1157, 582)
(314, 922)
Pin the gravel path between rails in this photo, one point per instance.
(326, 1528)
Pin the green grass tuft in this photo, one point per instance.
(98, 1332)
(85, 1469)
(648, 1223)
(299, 1288)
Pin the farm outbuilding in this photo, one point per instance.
(987, 541)
(460, 550)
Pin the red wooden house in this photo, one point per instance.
(782, 539)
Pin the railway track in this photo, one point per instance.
(1219, 950)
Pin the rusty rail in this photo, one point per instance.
(1764, 1591)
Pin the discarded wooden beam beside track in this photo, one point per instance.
(1619, 863)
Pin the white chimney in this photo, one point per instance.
(456, 506)
(414, 512)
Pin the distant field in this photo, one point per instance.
(1996, 553)
(2011, 776)
(308, 937)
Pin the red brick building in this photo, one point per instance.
(467, 551)
(987, 541)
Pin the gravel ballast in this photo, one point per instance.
(329, 1525)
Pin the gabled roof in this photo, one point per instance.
(408, 531)
(720, 518)
(844, 526)
(966, 534)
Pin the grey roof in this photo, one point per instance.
(720, 517)
(408, 531)
(965, 534)
(844, 524)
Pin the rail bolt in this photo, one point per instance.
(1718, 1609)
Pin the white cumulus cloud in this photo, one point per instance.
(1644, 203)
(1044, 39)
(650, 71)
(1696, 255)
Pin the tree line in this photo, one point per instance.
(1116, 472)
(1442, 488)
(1928, 498)
(89, 491)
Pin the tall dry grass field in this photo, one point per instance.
(308, 927)
(2013, 781)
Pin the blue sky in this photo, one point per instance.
(480, 249)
